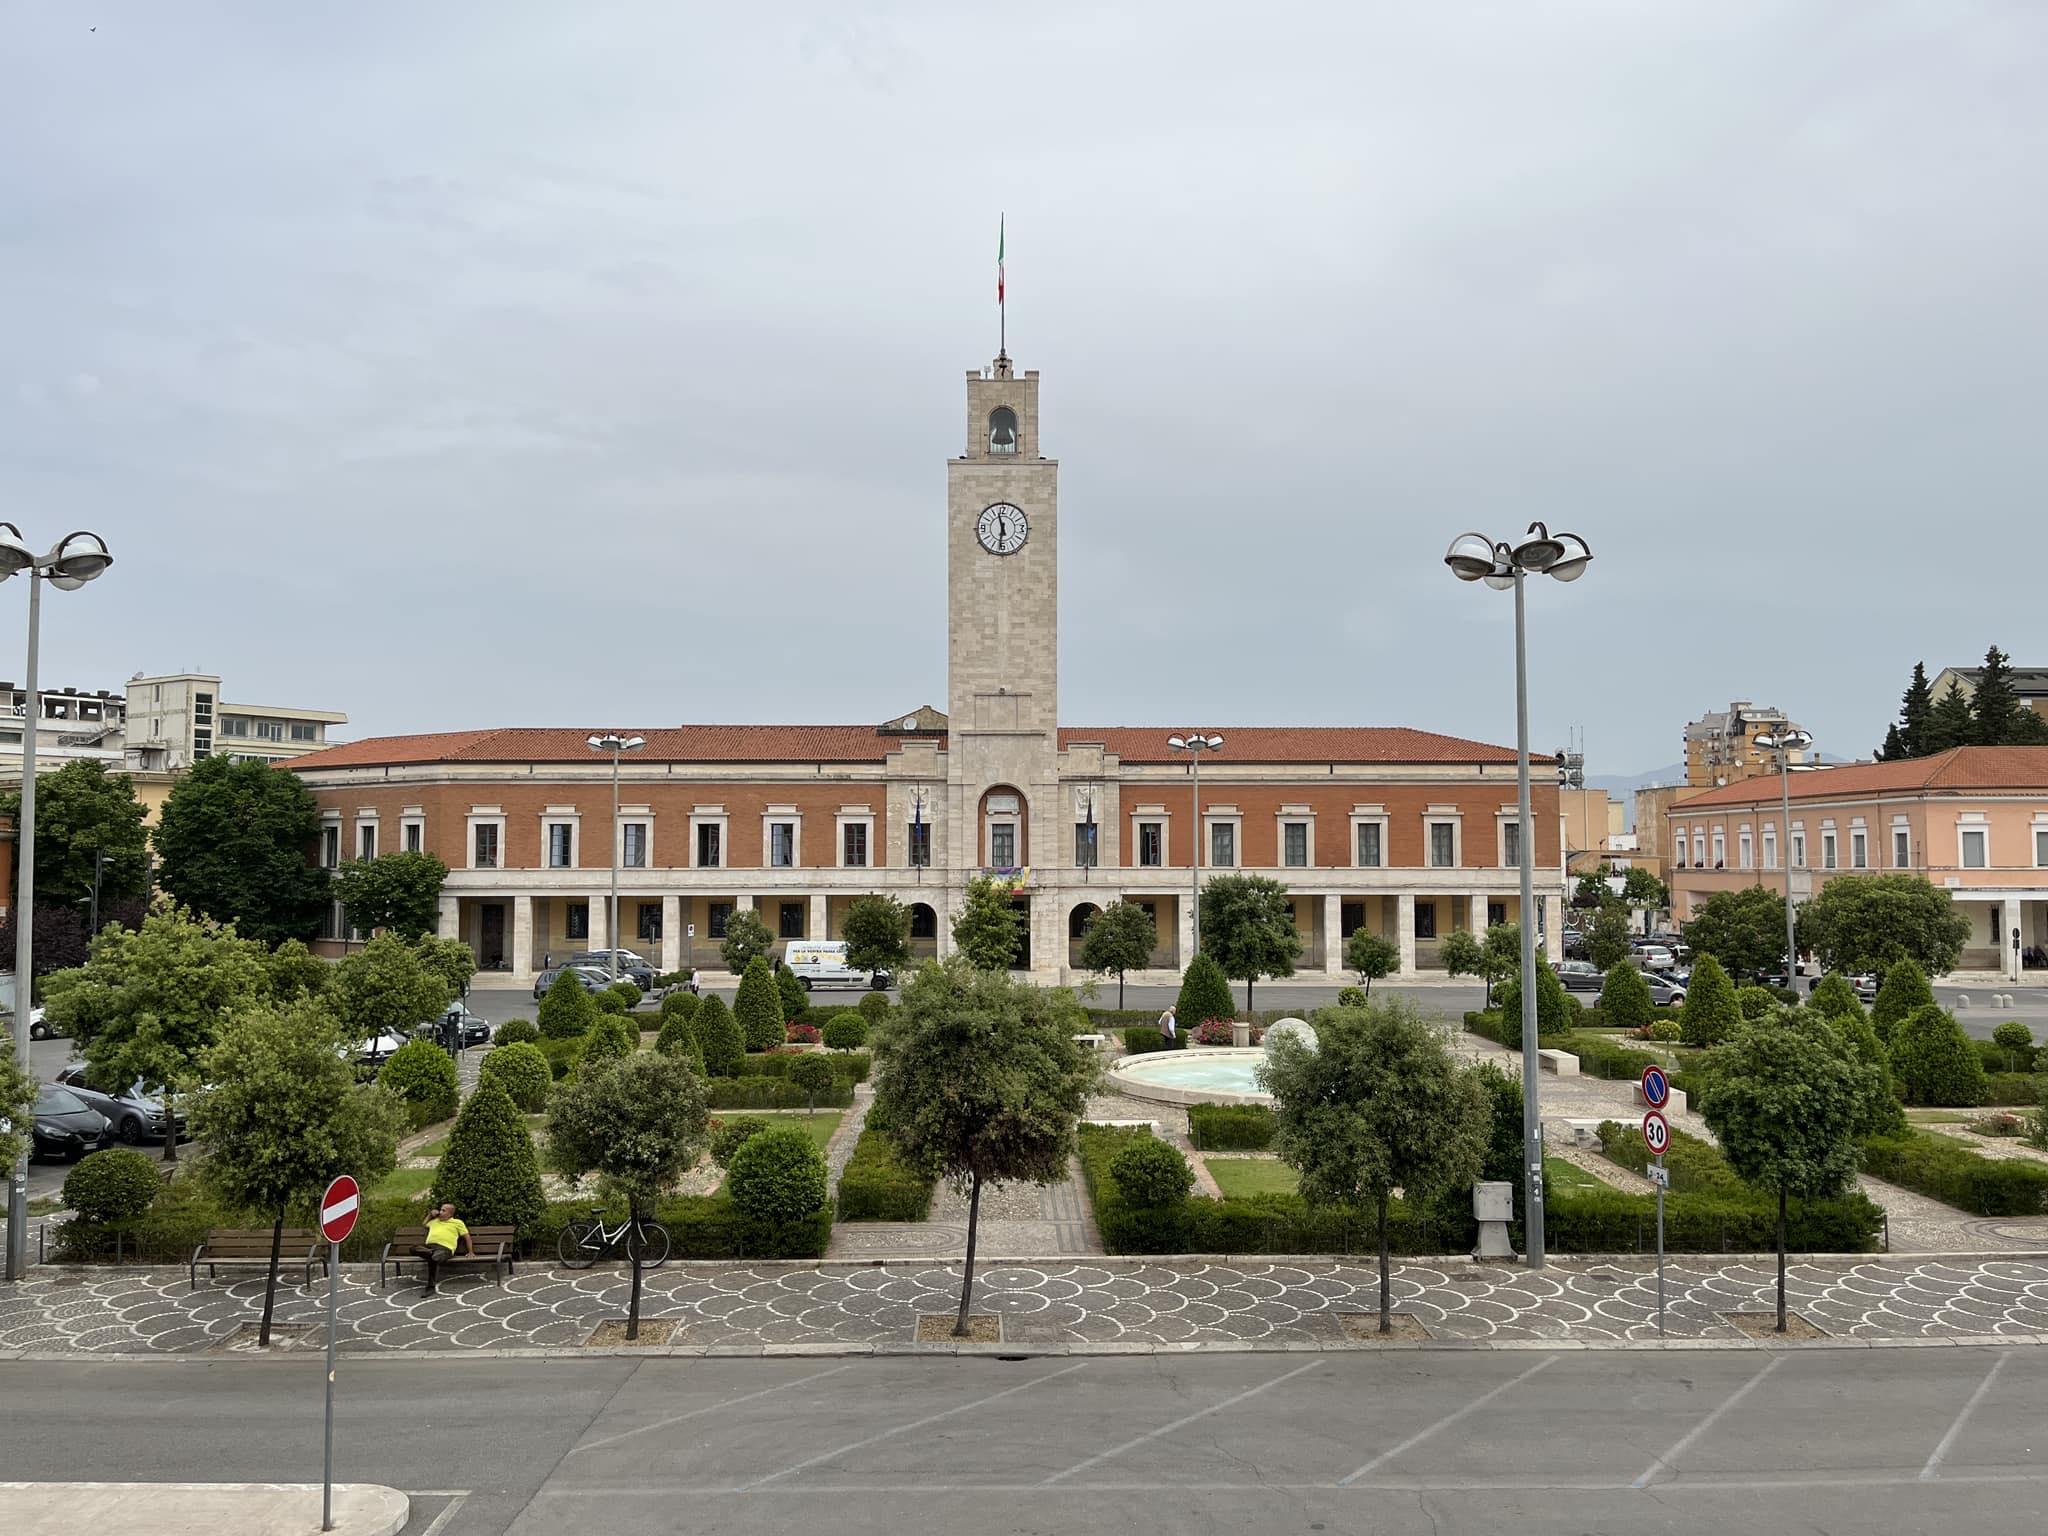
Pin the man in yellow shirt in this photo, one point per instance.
(446, 1237)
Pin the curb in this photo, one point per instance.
(360, 1509)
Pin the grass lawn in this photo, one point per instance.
(1561, 1175)
(1239, 1177)
(821, 1125)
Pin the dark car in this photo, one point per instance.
(65, 1125)
(475, 1031)
(631, 966)
(136, 1111)
(593, 978)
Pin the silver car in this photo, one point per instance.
(136, 1112)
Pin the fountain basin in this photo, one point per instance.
(1199, 1075)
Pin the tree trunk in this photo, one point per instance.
(1781, 1261)
(633, 1298)
(1248, 995)
(1119, 991)
(1386, 1278)
(967, 1280)
(270, 1279)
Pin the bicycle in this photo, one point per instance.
(583, 1243)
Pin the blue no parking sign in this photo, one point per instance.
(1656, 1087)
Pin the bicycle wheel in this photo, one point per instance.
(574, 1247)
(648, 1242)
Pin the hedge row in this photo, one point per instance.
(851, 1065)
(1948, 1171)
(1603, 1058)
(877, 1185)
(1230, 1127)
(1141, 1038)
(772, 1093)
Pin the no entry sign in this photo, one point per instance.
(1656, 1132)
(1656, 1087)
(339, 1208)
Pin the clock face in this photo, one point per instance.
(1002, 528)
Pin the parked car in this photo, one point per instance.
(1654, 957)
(136, 1111)
(65, 1125)
(822, 963)
(631, 967)
(593, 978)
(1664, 993)
(1866, 986)
(378, 1049)
(475, 1030)
(1580, 976)
(37, 1029)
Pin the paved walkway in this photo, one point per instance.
(1048, 1303)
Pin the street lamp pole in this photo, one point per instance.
(1473, 557)
(69, 566)
(614, 743)
(1195, 743)
(1785, 743)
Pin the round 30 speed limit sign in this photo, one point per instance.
(1656, 1133)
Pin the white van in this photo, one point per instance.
(822, 963)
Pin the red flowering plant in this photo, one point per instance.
(800, 1034)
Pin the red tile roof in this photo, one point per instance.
(1958, 770)
(864, 744)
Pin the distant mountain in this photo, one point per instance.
(1626, 784)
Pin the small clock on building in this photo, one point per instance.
(1002, 528)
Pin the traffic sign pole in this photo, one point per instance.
(1657, 1136)
(1661, 1182)
(339, 1208)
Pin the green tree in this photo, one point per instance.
(1995, 706)
(1785, 1105)
(521, 1069)
(1833, 998)
(1743, 929)
(385, 985)
(17, 1100)
(1607, 942)
(394, 893)
(777, 1177)
(1379, 1104)
(284, 1115)
(1556, 1009)
(451, 959)
(148, 1003)
(1204, 994)
(420, 1075)
(758, 1007)
(1710, 1013)
(638, 1123)
(746, 937)
(490, 1170)
(877, 934)
(1934, 1061)
(1903, 989)
(989, 929)
(1867, 922)
(1640, 888)
(2016, 1040)
(232, 841)
(1373, 957)
(1914, 709)
(1625, 998)
(979, 1079)
(794, 998)
(81, 809)
(718, 1035)
(295, 972)
(610, 1038)
(1248, 925)
(813, 1075)
(1463, 955)
(1117, 939)
(1950, 723)
(566, 1009)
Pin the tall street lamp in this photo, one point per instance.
(1474, 557)
(75, 559)
(1195, 743)
(1785, 742)
(614, 743)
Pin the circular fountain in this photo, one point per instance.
(1204, 1074)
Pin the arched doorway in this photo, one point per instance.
(1002, 829)
(924, 931)
(1077, 929)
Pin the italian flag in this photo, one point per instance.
(999, 260)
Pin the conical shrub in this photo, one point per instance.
(758, 1007)
(718, 1036)
(1204, 995)
(567, 1009)
(490, 1170)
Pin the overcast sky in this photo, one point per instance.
(549, 363)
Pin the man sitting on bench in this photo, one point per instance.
(446, 1237)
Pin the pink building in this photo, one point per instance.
(1973, 820)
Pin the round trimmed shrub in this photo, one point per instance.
(679, 1005)
(778, 1176)
(423, 1075)
(523, 1070)
(1625, 998)
(758, 1006)
(1934, 1061)
(490, 1169)
(1204, 994)
(1151, 1174)
(112, 1186)
(1756, 1002)
(516, 1032)
(566, 1010)
(846, 1032)
(609, 1002)
(874, 1007)
(718, 1034)
(2012, 1035)
(812, 1075)
(1351, 997)
(611, 1036)
(733, 1134)
(794, 998)
(627, 992)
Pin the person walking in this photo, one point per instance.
(446, 1237)
(1168, 1025)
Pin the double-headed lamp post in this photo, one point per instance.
(1195, 743)
(1785, 743)
(1474, 557)
(76, 559)
(614, 743)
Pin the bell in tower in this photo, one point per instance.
(1002, 430)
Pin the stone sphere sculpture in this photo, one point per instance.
(1291, 1029)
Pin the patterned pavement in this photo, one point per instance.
(1126, 1304)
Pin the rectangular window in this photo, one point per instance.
(330, 846)
(1087, 847)
(1151, 844)
(718, 913)
(650, 922)
(1699, 849)
(232, 725)
(578, 916)
(366, 841)
(1351, 917)
(1975, 847)
(633, 846)
(305, 731)
(1770, 849)
(1902, 848)
(1799, 850)
(1496, 913)
(2041, 845)
(270, 730)
(1294, 844)
(561, 845)
(789, 920)
(1443, 848)
(1511, 845)
(415, 837)
(1827, 850)
(781, 844)
(1223, 844)
(924, 922)
(709, 854)
(1425, 919)
(1743, 856)
(920, 845)
(1720, 848)
(853, 840)
(487, 846)
(1859, 851)
(1002, 845)
(1369, 845)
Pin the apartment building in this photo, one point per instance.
(176, 719)
(1720, 746)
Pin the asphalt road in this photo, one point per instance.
(1871, 1441)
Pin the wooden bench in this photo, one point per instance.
(229, 1249)
(496, 1246)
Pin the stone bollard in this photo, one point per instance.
(1493, 1207)
(1240, 1032)
(1962, 1000)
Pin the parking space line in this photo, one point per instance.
(1941, 1451)
(1447, 1420)
(1663, 1463)
(717, 1407)
(901, 1429)
(1167, 1429)
(440, 1521)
